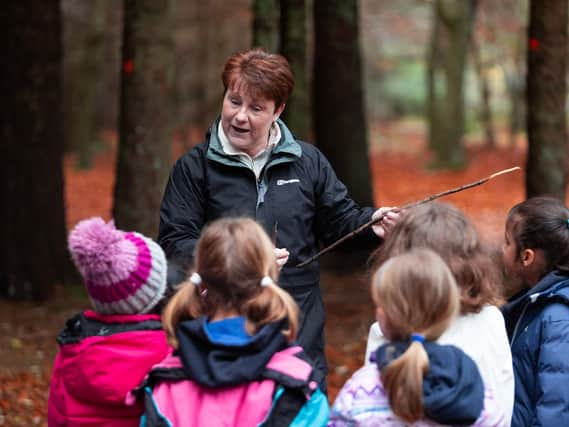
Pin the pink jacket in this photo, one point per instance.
(185, 403)
(101, 359)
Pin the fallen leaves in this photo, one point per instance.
(23, 399)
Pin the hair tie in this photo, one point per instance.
(266, 281)
(196, 279)
(417, 338)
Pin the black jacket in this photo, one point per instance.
(297, 189)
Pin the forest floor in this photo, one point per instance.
(400, 175)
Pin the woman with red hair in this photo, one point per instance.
(250, 164)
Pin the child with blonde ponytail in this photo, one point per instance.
(233, 329)
(414, 380)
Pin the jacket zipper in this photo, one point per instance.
(259, 187)
(532, 299)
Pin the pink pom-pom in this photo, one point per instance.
(93, 244)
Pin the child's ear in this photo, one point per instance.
(528, 257)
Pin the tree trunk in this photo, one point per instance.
(451, 36)
(266, 24)
(485, 108)
(84, 48)
(514, 73)
(107, 114)
(339, 119)
(145, 114)
(33, 257)
(546, 170)
(434, 82)
(293, 47)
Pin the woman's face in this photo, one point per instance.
(246, 121)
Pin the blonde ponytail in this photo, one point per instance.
(272, 304)
(184, 305)
(418, 297)
(403, 382)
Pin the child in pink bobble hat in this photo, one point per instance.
(106, 352)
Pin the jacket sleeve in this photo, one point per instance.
(361, 401)
(56, 410)
(183, 208)
(553, 369)
(336, 213)
(340, 413)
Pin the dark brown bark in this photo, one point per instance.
(294, 47)
(33, 257)
(339, 119)
(145, 114)
(546, 171)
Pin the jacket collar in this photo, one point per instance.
(553, 285)
(217, 365)
(88, 324)
(286, 150)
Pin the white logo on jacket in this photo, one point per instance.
(287, 181)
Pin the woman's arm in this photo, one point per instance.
(183, 208)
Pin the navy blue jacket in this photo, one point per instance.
(453, 391)
(297, 189)
(538, 327)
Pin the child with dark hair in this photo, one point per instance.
(414, 380)
(536, 257)
(479, 329)
(233, 330)
(106, 352)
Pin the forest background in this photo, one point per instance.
(405, 98)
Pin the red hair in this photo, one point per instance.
(260, 73)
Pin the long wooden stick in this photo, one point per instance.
(407, 206)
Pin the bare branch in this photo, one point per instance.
(407, 206)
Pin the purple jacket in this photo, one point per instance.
(101, 359)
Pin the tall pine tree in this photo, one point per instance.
(294, 47)
(33, 257)
(339, 118)
(546, 95)
(145, 114)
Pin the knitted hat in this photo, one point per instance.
(124, 272)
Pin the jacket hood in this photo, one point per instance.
(552, 287)
(453, 391)
(286, 150)
(98, 361)
(218, 365)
